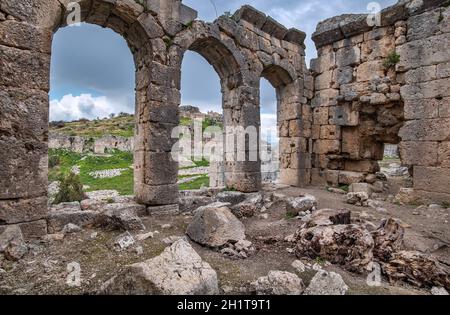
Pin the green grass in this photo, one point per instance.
(196, 184)
(124, 183)
(90, 163)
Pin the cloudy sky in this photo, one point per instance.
(92, 71)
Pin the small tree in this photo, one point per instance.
(70, 189)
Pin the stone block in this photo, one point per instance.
(156, 195)
(295, 177)
(419, 153)
(370, 70)
(320, 116)
(434, 179)
(430, 89)
(159, 167)
(377, 49)
(343, 115)
(325, 98)
(348, 178)
(426, 130)
(244, 182)
(412, 56)
(330, 132)
(422, 74)
(444, 154)
(327, 147)
(318, 177)
(362, 166)
(348, 56)
(25, 36)
(351, 142)
(423, 108)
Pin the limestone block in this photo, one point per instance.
(434, 179)
(426, 130)
(25, 36)
(412, 56)
(348, 178)
(422, 74)
(332, 177)
(419, 153)
(348, 56)
(443, 70)
(368, 166)
(156, 195)
(325, 62)
(23, 210)
(25, 69)
(45, 14)
(351, 142)
(370, 70)
(324, 80)
(330, 132)
(344, 75)
(244, 182)
(423, 108)
(160, 168)
(325, 98)
(444, 154)
(320, 116)
(431, 89)
(318, 177)
(427, 24)
(377, 49)
(343, 115)
(295, 177)
(327, 147)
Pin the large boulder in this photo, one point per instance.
(12, 243)
(326, 283)
(215, 227)
(347, 245)
(416, 268)
(278, 283)
(179, 270)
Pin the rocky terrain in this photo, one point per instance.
(283, 240)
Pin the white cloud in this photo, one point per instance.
(269, 128)
(71, 107)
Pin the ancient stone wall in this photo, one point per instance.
(242, 48)
(383, 84)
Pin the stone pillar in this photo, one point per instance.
(242, 120)
(24, 85)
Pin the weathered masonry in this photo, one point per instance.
(387, 84)
(242, 49)
(369, 86)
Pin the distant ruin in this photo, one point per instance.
(370, 85)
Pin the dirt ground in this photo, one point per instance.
(45, 269)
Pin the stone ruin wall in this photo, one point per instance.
(241, 48)
(100, 145)
(360, 104)
(333, 120)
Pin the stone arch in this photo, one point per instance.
(229, 63)
(294, 149)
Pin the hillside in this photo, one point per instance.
(122, 125)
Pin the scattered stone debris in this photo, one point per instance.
(326, 283)
(107, 173)
(325, 217)
(124, 241)
(215, 226)
(240, 250)
(278, 283)
(249, 207)
(357, 198)
(171, 239)
(407, 196)
(71, 228)
(179, 270)
(143, 237)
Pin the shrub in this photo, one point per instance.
(70, 189)
(392, 59)
(53, 161)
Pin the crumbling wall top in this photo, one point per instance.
(347, 25)
(269, 25)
